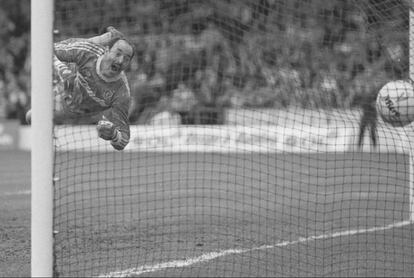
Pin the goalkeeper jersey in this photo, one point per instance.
(90, 93)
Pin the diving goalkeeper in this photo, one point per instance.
(91, 84)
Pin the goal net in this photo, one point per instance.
(247, 156)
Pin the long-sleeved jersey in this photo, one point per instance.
(90, 93)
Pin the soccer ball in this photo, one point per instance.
(395, 103)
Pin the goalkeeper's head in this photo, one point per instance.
(117, 57)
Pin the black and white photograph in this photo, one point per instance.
(206, 138)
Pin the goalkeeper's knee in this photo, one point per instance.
(28, 116)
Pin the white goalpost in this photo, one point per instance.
(411, 153)
(42, 139)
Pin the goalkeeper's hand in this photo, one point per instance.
(114, 32)
(107, 130)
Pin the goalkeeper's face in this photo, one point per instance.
(116, 59)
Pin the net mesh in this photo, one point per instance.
(244, 158)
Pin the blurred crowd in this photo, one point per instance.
(210, 55)
(14, 58)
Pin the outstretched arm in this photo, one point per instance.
(72, 50)
(109, 131)
(104, 39)
(114, 127)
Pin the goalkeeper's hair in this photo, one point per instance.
(114, 40)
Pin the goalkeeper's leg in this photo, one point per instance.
(59, 96)
(57, 114)
(28, 116)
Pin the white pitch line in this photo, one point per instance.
(16, 193)
(213, 255)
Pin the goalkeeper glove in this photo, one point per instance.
(107, 131)
(114, 32)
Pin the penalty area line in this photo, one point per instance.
(213, 255)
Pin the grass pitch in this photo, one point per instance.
(14, 214)
(216, 214)
(210, 214)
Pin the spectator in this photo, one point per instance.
(17, 102)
